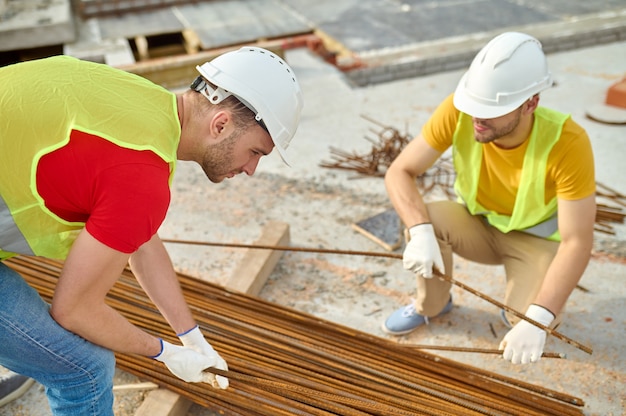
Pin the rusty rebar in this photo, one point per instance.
(449, 279)
(284, 362)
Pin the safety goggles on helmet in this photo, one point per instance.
(214, 96)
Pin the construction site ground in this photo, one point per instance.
(320, 205)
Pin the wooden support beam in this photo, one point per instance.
(257, 264)
(248, 278)
(141, 42)
(384, 228)
(163, 402)
(192, 42)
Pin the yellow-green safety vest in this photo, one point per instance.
(41, 102)
(530, 213)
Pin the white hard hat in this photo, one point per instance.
(264, 83)
(510, 69)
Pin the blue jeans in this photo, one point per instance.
(77, 375)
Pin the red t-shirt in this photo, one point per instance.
(121, 195)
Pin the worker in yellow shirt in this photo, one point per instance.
(526, 195)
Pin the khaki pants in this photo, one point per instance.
(526, 258)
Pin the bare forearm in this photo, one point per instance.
(405, 198)
(400, 181)
(78, 304)
(576, 221)
(563, 275)
(154, 271)
(104, 326)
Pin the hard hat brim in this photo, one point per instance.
(282, 152)
(470, 106)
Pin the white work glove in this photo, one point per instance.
(195, 340)
(524, 342)
(422, 251)
(184, 362)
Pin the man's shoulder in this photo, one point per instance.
(569, 126)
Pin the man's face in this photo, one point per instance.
(239, 152)
(488, 130)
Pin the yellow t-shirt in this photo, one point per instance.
(570, 169)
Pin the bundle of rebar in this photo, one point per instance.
(284, 362)
(610, 208)
(385, 148)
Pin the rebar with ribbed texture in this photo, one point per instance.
(284, 362)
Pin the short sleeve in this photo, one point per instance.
(440, 127)
(130, 204)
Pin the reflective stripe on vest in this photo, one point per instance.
(544, 229)
(530, 213)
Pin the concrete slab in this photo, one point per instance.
(129, 25)
(378, 24)
(30, 24)
(216, 23)
(223, 23)
(454, 52)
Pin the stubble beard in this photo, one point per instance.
(495, 134)
(218, 158)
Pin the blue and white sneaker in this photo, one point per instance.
(405, 319)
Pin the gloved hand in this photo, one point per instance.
(422, 251)
(196, 341)
(524, 342)
(184, 362)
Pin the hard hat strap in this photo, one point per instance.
(217, 95)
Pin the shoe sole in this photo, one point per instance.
(397, 333)
(17, 393)
(408, 331)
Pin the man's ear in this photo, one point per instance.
(531, 104)
(221, 125)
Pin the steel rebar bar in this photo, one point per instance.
(286, 362)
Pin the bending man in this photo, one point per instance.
(87, 155)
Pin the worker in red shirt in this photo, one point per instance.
(526, 195)
(87, 157)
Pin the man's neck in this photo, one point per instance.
(518, 136)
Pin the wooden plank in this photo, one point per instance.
(384, 228)
(142, 47)
(192, 41)
(258, 264)
(248, 278)
(163, 402)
